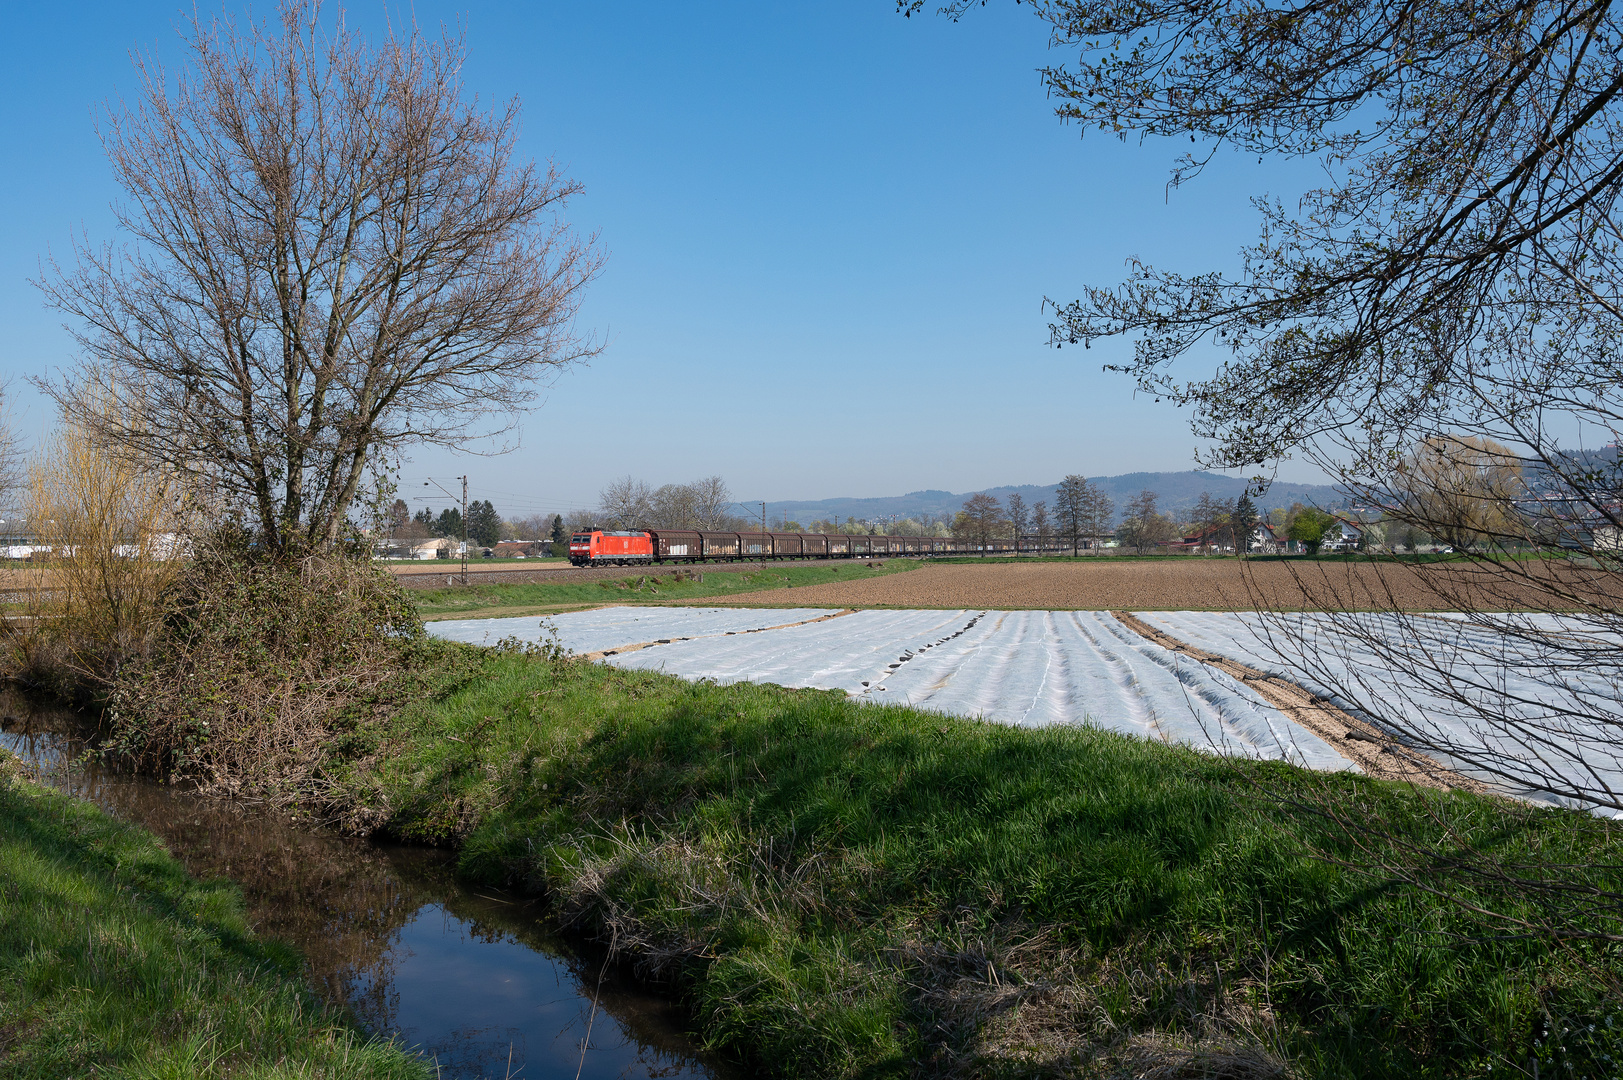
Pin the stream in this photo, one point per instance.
(471, 978)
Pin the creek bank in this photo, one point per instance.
(858, 890)
(469, 980)
(115, 961)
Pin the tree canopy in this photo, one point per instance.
(1457, 269)
(336, 255)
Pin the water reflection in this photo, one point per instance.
(470, 977)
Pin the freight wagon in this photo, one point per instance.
(603, 547)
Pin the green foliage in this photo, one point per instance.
(484, 524)
(114, 962)
(1245, 521)
(844, 890)
(449, 524)
(1307, 527)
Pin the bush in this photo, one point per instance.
(110, 525)
(262, 666)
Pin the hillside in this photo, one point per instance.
(1178, 490)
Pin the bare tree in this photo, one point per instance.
(1098, 512)
(982, 514)
(1019, 516)
(672, 507)
(1142, 525)
(1040, 523)
(1071, 507)
(529, 527)
(626, 503)
(1213, 519)
(711, 502)
(336, 256)
(11, 457)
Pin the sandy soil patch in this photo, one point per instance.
(1177, 584)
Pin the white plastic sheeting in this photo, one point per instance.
(1030, 668)
(607, 628)
(1526, 692)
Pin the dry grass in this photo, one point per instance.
(1014, 1000)
(95, 599)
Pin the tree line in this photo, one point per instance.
(1459, 491)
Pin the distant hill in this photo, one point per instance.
(1178, 490)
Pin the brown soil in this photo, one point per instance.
(1174, 584)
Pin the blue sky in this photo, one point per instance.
(830, 233)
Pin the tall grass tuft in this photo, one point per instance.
(110, 526)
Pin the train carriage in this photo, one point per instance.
(720, 545)
(788, 545)
(677, 544)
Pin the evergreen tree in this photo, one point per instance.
(558, 535)
(1245, 522)
(484, 524)
(449, 524)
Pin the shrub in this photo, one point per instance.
(261, 666)
(109, 524)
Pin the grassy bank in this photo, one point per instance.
(440, 566)
(773, 585)
(847, 890)
(114, 962)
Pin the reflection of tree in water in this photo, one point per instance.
(343, 903)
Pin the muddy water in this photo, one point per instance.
(469, 977)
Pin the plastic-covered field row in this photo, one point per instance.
(1024, 667)
(1537, 696)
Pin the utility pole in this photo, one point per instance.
(763, 534)
(441, 486)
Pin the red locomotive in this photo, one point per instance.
(630, 547)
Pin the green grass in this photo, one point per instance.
(849, 890)
(772, 586)
(115, 963)
(476, 560)
(1129, 556)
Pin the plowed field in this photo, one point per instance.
(1175, 584)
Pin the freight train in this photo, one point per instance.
(630, 547)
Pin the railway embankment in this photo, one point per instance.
(575, 588)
